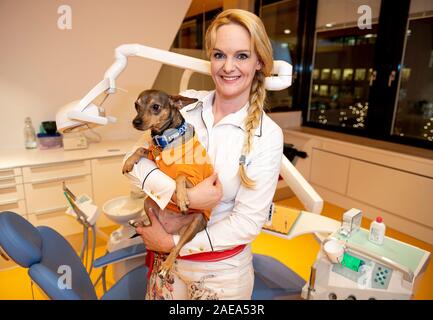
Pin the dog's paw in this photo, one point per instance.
(163, 271)
(183, 207)
(182, 202)
(127, 167)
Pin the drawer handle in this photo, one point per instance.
(7, 177)
(7, 186)
(10, 201)
(58, 178)
(45, 211)
(56, 164)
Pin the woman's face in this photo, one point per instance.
(233, 62)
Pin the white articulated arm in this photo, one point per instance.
(163, 56)
(85, 112)
(300, 187)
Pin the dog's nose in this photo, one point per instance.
(137, 122)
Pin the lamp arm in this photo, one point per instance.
(281, 78)
(163, 56)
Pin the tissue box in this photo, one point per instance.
(49, 141)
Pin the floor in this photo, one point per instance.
(299, 254)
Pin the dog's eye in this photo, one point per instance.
(156, 107)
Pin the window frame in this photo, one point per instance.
(388, 56)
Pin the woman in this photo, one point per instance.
(245, 147)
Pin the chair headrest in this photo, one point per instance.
(20, 239)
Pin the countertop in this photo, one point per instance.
(14, 158)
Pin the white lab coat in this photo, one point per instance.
(239, 217)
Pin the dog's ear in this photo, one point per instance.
(180, 101)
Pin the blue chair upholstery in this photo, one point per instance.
(274, 281)
(25, 251)
(48, 256)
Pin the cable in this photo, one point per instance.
(82, 245)
(93, 248)
(85, 242)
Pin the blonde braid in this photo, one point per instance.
(257, 99)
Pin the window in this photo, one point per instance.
(193, 29)
(281, 22)
(342, 75)
(375, 82)
(343, 65)
(414, 112)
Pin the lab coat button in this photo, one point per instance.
(201, 249)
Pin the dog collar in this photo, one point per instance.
(165, 139)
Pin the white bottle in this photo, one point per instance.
(377, 231)
(29, 134)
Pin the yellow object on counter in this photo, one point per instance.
(283, 219)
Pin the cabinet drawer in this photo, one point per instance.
(108, 180)
(9, 189)
(48, 196)
(405, 194)
(58, 220)
(9, 173)
(56, 172)
(330, 170)
(14, 205)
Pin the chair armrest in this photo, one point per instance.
(134, 251)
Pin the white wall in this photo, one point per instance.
(43, 67)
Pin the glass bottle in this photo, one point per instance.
(29, 134)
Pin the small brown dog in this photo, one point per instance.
(174, 149)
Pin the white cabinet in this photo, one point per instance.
(407, 195)
(46, 203)
(12, 196)
(395, 185)
(36, 191)
(330, 170)
(108, 183)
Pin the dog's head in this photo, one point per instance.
(156, 110)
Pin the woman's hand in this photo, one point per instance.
(207, 194)
(154, 236)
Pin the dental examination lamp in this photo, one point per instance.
(78, 115)
(84, 114)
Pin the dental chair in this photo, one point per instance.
(275, 281)
(55, 267)
(46, 255)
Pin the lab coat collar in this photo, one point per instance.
(236, 119)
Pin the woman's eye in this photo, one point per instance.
(156, 107)
(218, 55)
(242, 56)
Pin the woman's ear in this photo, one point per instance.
(258, 65)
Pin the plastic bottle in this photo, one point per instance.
(29, 134)
(377, 231)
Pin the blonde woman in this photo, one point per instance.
(245, 147)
